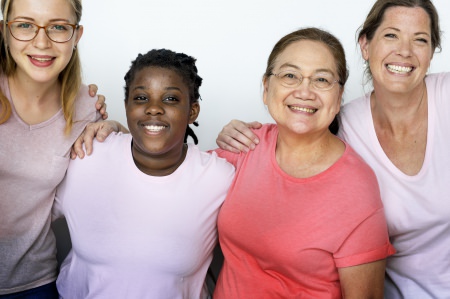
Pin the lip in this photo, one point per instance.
(399, 68)
(303, 109)
(41, 60)
(153, 127)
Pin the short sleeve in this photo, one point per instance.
(368, 242)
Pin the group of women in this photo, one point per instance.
(314, 210)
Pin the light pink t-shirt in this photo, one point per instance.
(33, 160)
(417, 207)
(286, 237)
(135, 235)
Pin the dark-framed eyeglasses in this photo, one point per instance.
(320, 81)
(56, 32)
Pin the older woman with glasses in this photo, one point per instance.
(401, 129)
(296, 219)
(43, 109)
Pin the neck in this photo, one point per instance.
(305, 156)
(33, 91)
(158, 165)
(396, 110)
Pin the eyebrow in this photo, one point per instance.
(50, 21)
(322, 70)
(167, 88)
(398, 30)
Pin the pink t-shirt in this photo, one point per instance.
(136, 235)
(417, 207)
(286, 237)
(33, 161)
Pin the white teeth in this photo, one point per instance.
(42, 59)
(154, 128)
(399, 69)
(308, 110)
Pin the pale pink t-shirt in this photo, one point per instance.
(135, 235)
(286, 237)
(417, 207)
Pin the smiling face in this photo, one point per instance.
(303, 109)
(158, 112)
(400, 51)
(41, 60)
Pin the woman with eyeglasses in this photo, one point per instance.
(43, 109)
(303, 218)
(401, 129)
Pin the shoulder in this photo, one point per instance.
(208, 159)
(85, 105)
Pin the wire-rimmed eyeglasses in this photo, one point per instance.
(56, 32)
(321, 81)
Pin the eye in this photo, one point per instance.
(390, 35)
(21, 25)
(289, 75)
(322, 80)
(422, 40)
(58, 27)
(140, 99)
(170, 100)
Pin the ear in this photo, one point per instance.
(78, 34)
(194, 112)
(266, 89)
(364, 46)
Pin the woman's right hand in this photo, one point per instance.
(237, 136)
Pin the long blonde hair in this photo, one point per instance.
(70, 77)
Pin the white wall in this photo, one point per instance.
(231, 40)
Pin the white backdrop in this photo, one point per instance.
(231, 40)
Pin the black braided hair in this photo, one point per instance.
(181, 63)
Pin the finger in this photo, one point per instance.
(100, 104)
(77, 147)
(89, 134)
(93, 90)
(105, 116)
(241, 131)
(104, 132)
(231, 144)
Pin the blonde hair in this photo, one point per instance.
(70, 77)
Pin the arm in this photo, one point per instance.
(364, 281)
(236, 136)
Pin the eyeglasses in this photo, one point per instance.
(57, 32)
(322, 81)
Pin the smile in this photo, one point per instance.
(399, 69)
(40, 59)
(154, 128)
(303, 109)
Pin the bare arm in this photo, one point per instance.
(236, 136)
(364, 281)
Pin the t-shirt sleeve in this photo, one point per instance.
(368, 242)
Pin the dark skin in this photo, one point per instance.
(158, 112)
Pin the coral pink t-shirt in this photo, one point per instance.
(286, 237)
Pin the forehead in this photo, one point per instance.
(150, 74)
(42, 9)
(307, 55)
(415, 19)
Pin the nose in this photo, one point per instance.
(404, 48)
(41, 39)
(154, 108)
(304, 89)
